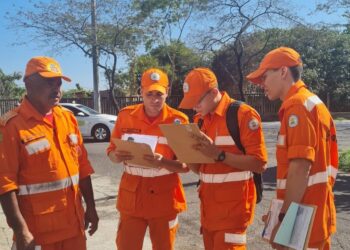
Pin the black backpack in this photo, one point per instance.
(233, 128)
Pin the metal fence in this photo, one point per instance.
(258, 101)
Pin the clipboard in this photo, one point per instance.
(138, 150)
(180, 140)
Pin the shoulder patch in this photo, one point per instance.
(253, 124)
(7, 116)
(293, 121)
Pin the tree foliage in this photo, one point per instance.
(8, 87)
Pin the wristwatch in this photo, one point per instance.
(281, 217)
(221, 156)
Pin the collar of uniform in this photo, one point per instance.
(27, 110)
(225, 101)
(139, 112)
(292, 91)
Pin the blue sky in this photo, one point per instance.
(13, 58)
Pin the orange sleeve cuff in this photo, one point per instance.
(303, 152)
(85, 171)
(5, 188)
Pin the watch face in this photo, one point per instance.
(222, 156)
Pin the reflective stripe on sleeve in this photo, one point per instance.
(224, 141)
(321, 177)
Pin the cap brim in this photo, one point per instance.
(155, 87)
(189, 101)
(256, 76)
(52, 75)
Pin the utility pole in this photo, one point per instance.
(97, 105)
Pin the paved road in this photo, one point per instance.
(107, 178)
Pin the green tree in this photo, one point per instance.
(325, 53)
(66, 24)
(186, 59)
(8, 87)
(232, 21)
(168, 22)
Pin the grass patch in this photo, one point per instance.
(340, 119)
(344, 161)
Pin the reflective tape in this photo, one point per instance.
(321, 177)
(48, 186)
(236, 238)
(14, 247)
(281, 140)
(162, 140)
(332, 171)
(173, 223)
(37, 146)
(146, 172)
(311, 102)
(224, 141)
(73, 139)
(229, 177)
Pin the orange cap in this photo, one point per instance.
(275, 59)
(46, 67)
(197, 82)
(154, 79)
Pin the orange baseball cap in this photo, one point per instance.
(47, 67)
(154, 79)
(197, 82)
(275, 59)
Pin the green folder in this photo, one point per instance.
(296, 226)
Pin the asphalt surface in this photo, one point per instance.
(107, 177)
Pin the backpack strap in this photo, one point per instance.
(232, 123)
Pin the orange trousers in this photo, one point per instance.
(323, 245)
(131, 232)
(75, 243)
(224, 239)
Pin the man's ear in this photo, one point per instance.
(284, 72)
(214, 91)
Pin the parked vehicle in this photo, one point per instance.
(92, 123)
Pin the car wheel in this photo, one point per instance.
(101, 133)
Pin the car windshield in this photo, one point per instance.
(88, 110)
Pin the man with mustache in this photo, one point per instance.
(307, 153)
(44, 168)
(149, 197)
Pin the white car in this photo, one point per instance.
(92, 123)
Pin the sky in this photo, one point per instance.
(74, 64)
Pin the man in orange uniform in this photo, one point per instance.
(227, 190)
(44, 167)
(149, 197)
(307, 154)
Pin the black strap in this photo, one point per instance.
(232, 122)
(233, 128)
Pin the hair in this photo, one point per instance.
(296, 72)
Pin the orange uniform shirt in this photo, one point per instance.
(149, 193)
(227, 194)
(307, 132)
(44, 164)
